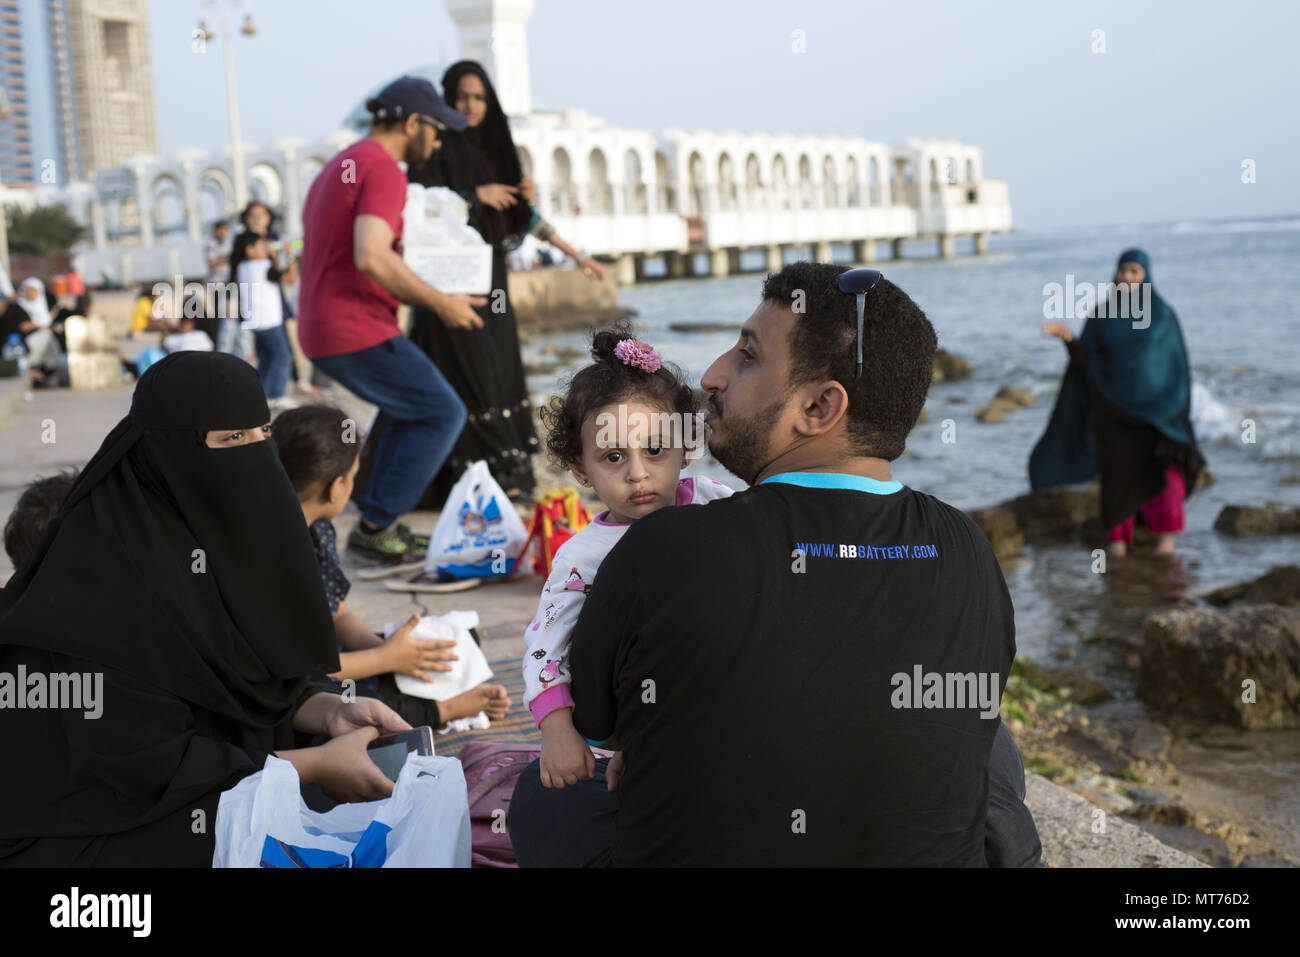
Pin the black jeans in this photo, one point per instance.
(574, 826)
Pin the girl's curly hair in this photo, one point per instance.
(606, 381)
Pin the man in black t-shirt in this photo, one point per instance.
(808, 672)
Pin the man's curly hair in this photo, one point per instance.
(898, 346)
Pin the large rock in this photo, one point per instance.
(1271, 519)
(1277, 586)
(1001, 528)
(1074, 834)
(995, 411)
(1056, 513)
(948, 367)
(1048, 515)
(1021, 397)
(1195, 661)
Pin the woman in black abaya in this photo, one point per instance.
(179, 569)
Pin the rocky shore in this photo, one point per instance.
(1218, 671)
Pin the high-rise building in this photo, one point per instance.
(78, 81)
(112, 74)
(15, 108)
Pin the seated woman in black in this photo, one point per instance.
(177, 591)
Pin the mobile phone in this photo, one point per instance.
(389, 751)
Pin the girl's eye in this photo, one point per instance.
(234, 436)
(613, 457)
(654, 450)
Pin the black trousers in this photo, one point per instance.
(574, 826)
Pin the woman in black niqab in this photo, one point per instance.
(184, 574)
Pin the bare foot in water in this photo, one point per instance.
(1116, 550)
(489, 698)
(1165, 544)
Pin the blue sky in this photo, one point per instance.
(1154, 129)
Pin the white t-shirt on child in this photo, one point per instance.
(546, 658)
(264, 308)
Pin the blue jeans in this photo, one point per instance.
(274, 359)
(426, 419)
(233, 338)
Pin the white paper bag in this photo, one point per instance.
(263, 822)
(440, 246)
(471, 667)
(479, 534)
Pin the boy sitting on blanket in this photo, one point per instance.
(320, 450)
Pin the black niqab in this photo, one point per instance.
(187, 567)
(186, 575)
(476, 156)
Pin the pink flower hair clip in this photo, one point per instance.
(636, 353)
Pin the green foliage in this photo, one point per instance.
(1047, 767)
(41, 231)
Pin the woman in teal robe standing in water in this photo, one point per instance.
(1124, 412)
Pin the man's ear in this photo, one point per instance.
(822, 406)
(327, 489)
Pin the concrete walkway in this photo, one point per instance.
(62, 429)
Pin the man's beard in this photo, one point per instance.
(415, 155)
(743, 451)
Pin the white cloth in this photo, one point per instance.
(259, 298)
(480, 722)
(546, 640)
(468, 670)
(196, 340)
(38, 310)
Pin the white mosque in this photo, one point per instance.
(695, 200)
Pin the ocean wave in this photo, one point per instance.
(1237, 226)
(1210, 417)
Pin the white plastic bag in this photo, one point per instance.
(470, 667)
(263, 822)
(440, 246)
(479, 534)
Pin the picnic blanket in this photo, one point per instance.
(516, 726)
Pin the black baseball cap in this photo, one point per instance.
(413, 94)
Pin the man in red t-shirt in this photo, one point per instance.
(353, 278)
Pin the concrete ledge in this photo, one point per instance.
(1065, 824)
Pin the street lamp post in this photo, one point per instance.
(232, 99)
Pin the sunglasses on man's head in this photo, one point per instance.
(430, 121)
(859, 282)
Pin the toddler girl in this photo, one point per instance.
(626, 428)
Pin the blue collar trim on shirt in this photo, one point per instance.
(855, 483)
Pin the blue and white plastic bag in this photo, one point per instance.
(263, 822)
(479, 534)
